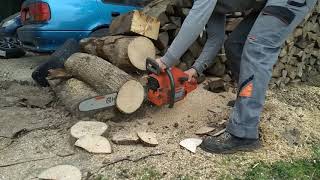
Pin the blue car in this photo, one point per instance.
(47, 24)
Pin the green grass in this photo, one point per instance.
(149, 174)
(295, 169)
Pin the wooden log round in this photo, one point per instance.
(101, 75)
(126, 52)
(130, 97)
(73, 91)
(105, 78)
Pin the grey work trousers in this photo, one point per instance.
(260, 49)
(272, 27)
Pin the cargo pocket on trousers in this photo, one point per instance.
(297, 3)
(284, 14)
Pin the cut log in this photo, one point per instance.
(125, 138)
(136, 22)
(126, 52)
(106, 79)
(148, 138)
(94, 144)
(73, 91)
(98, 73)
(63, 172)
(130, 97)
(83, 128)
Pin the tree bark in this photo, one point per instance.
(126, 52)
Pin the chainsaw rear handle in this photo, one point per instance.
(152, 66)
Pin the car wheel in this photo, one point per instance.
(10, 48)
(57, 60)
(100, 32)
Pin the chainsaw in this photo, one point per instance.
(162, 88)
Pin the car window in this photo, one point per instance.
(128, 2)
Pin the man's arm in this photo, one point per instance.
(190, 30)
(216, 35)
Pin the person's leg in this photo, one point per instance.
(276, 21)
(216, 34)
(235, 43)
(191, 28)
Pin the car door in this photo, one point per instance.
(110, 9)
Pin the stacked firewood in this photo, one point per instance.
(116, 63)
(300, 56)
(298, 59)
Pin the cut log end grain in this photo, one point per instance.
(148, 138)
(130, 97)
(94, 144)
(139, 50)
(63, 172)
(83, 128)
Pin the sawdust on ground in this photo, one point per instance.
(290, 125)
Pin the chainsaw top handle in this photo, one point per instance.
(172, 88)
(152, 66)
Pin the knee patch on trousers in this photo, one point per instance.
(246, 88)
(280, 12)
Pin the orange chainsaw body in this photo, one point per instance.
(159, 87)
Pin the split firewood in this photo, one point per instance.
(136, 22)
(163, 41)
(126, 52)
(63, 172)
(218, 85)
(157, 7)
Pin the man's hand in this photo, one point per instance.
(161, 64)
(192, 73)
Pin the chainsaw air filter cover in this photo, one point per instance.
(153, 83)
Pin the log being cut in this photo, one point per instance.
(126, 52)
(106, 78)
(73, 91)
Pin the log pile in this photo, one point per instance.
(298, 59)
(109, 64)
(300, 56)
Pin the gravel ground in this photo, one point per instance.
(34, 132)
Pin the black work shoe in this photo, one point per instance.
(228, 144)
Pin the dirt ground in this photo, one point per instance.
(34, 132)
